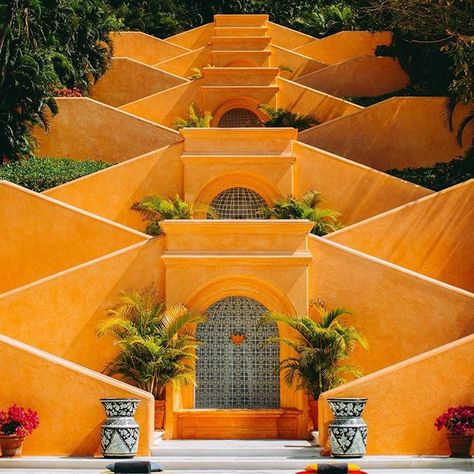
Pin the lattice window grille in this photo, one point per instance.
(238, 203)
(236, 118)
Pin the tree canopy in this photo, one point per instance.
(46, 45)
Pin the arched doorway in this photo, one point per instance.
(239, 117)
(237, 375)
(238, 203)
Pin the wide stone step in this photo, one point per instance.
(235, 58)
(242, 43)
(241, 449)
(241, 30)
(241, 20)
(243, 141)
(232, 76)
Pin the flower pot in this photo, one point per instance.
(120, 432)
(460, 445)
(313, 412)
(11, 445)
(348, 431)
(160, 410)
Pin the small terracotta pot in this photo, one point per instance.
(313, 412)
(460, 445)
(11, 445)
(160, 410)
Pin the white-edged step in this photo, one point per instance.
(235, 448)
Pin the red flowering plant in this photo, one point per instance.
(457, 420)
(18, 422)
(59, 91)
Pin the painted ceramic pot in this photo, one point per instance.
(348, 431)
(120, 432)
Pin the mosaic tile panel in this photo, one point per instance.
(238, 203)
(230, 375)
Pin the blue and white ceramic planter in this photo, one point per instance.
(120, 432)
(348, 431)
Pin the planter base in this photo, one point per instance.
(10, 446)
(460, 445)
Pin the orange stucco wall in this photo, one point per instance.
(395, 133)
(61, 314)
(304, 100)
(184, 64)
(432, 236)
(370, 192)
(37, 232)
(195, 38)
(66, 397)
(144, 48)
(287, 38)
(300, 65)
(363, 76)
(85, 129)
(345, 45)
(98, 193)
(165, 107)
(390, 304)
(128, 80)
(405, 400)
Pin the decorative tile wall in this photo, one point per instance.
(238, 203)
(230, 375)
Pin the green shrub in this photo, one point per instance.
(441, 175)
(325, 220)
(155, 209)
(284, 118)
(196, 119)
(39, 174)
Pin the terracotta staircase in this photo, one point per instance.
(240, 57)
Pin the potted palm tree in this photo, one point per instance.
(157, 344)
(325, 220)
(322, 348)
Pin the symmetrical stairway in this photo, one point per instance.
(240, 64)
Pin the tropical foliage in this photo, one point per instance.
(39, 174)
(322, 348)
(433, 39)
(46, 45)
(156, 344)
(157, 208)
(325, 220)
(441, 175)
(195, 119)
(279, 117)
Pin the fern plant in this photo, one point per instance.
(284, 118)
(157, 208)
(322, 348)
(325, 220)
(156, 344)
(195, 119)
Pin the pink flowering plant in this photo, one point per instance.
(18, 421)
(457, 420)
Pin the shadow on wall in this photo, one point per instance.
(88, 130)
(395, 133)
(432, 236)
